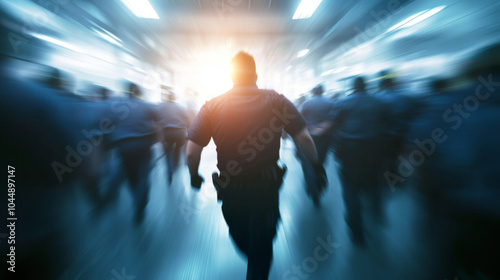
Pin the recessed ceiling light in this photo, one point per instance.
(306, 9)
(141, 8)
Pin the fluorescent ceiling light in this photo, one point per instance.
(333, 71)
(416, 18)
(141, 8)
(306, 9)
(302, 53)
(57, 42)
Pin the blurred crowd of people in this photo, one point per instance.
(99, 139)
(444, 144)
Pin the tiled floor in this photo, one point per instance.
(184, 235)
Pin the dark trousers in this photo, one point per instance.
(361, 162)
(173, 141)
(251, 211)
(135, 165)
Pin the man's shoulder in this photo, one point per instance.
(275, 96)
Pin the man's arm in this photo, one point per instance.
(322, 128)
(305, 143)
(193, 155)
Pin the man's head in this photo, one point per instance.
(167, 94)
(386, 80)
(318, 90)
(59, 80)
(134, 90)
(105, 93)
(243, 70)
(359, 84)
(440, 85)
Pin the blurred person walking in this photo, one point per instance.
(459, 179)
(316, 112)
(174, 121)
(401, 108)
(246, 124)
(360, 121)
(133, 136)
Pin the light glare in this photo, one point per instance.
(302, 53)
(416, 18)
(57, 42)
(306, 9)
(141, 8)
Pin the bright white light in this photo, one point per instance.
(57, 42)
(306, 9)
(425, 16)
(141, 8)
(402, 23)
(288, 68)
(209, 73)
(416, 18)
(333, 71)
(302, 53)
(109, 37)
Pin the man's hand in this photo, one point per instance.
(196, 181)
(321, 178)
(193, 153)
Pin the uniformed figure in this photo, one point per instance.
(132, 138)
(459, 178)
(246, 124)
(75, 115)
(174, 121)
(359, 121)
(401, 108)
(316, 111)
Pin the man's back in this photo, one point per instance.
(316, 110)
(173, 115)
(246, 125)
(136, 119)
(360, 116)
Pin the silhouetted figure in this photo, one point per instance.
(401, 109)
(60, 80)
(459, 178)
(174, 121)
(104, 93)
(316, 111)
(359, 123)
(245, 124)
(78, 118)
(31, 140)
(133, 137)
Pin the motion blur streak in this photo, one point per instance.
(401, 98)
